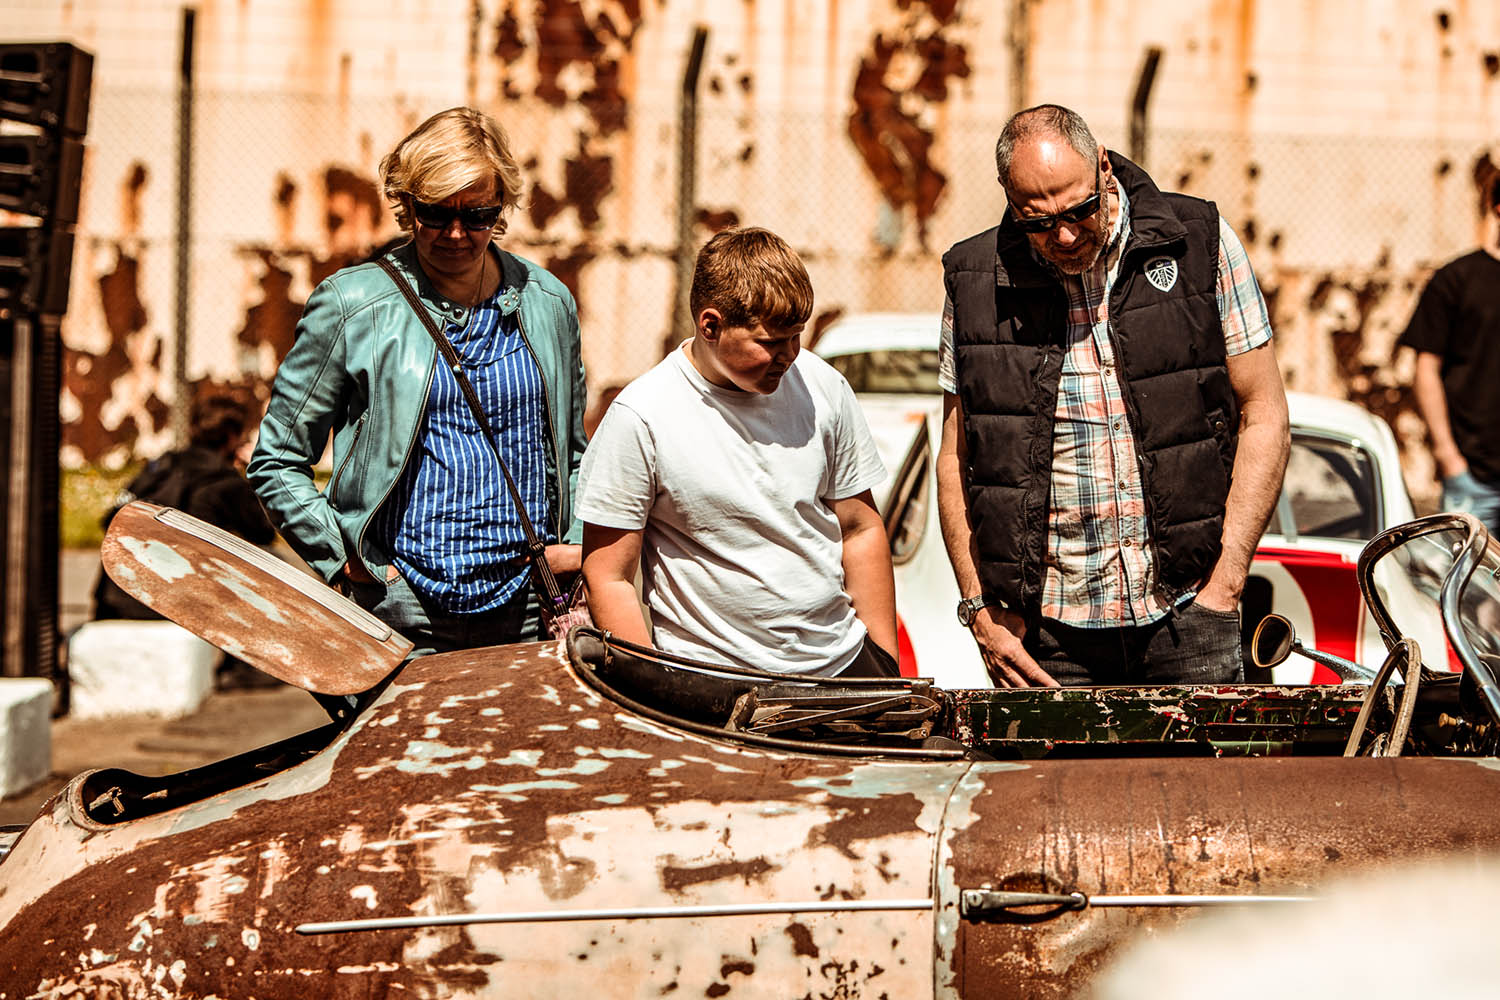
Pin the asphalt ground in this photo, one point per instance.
(248, 710)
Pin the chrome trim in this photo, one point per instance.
(620, 913)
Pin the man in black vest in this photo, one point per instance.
(1115, 426)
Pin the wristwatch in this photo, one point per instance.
(969, 607)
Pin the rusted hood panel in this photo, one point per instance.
(491, 781)
(247, 602)
(1141, 827)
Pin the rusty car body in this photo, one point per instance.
(534, 820)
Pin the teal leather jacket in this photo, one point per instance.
(361, 369)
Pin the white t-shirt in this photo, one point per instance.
(742, 558)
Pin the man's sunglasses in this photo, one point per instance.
(475, 219)
(1072, 216)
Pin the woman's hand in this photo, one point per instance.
(356, 573)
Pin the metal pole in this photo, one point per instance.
(616, 913)
(181, 402)
(679, 328)
(1143, 83)
(8, 335)
(1020, 48)
(18, 499)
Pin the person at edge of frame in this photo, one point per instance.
(416, 523)
(1115, 426)
(737, 474)
(1455, 331)
(203, 480)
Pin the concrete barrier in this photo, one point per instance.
(138, 668)
(25, 733)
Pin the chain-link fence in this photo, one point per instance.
(285, 190)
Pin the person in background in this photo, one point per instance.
(416, 523)
(1115, 426)
(595, 413)
(203, 480)
(1455, 331)
(740, 469)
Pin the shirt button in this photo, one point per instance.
(1127, 542)
(1123, 486)
(1117, 425)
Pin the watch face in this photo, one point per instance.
(965, 612)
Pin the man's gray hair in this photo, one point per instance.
(1044, 119)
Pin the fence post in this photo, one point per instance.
(46, 88)
(1143, 82)
(181, 403)
(679, 328)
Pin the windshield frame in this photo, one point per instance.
(1466, 560)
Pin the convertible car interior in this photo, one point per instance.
(912, 718)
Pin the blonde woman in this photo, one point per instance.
(417, 522)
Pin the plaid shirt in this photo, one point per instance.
(1099, 571)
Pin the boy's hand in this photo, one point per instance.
(564, 560)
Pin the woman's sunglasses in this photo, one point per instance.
(1072, 216)
(475, 219)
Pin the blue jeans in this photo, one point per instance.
(1465, 493)
(1195, 646)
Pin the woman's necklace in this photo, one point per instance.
(478, 293)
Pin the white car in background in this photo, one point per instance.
(1343, 486)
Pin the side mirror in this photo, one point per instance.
(1272, 642)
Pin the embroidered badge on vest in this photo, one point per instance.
(1162, 272)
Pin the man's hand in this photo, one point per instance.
(1450, 463)
(999, 635)
(1216, 597)
(1432, 404)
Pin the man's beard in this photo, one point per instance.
(1082, 263)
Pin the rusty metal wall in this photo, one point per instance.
(1342, 138)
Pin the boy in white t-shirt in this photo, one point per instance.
(740, 470)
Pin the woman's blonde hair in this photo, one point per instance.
(446, 154)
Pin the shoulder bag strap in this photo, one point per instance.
(535, 547)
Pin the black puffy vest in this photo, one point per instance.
(1009, 326)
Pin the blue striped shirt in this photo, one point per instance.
(450, 524)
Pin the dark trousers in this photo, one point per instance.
(436, 631)
(872, 661)
(1194, 646)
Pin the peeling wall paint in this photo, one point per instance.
(900, 79)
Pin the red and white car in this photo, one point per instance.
(1343, 486)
